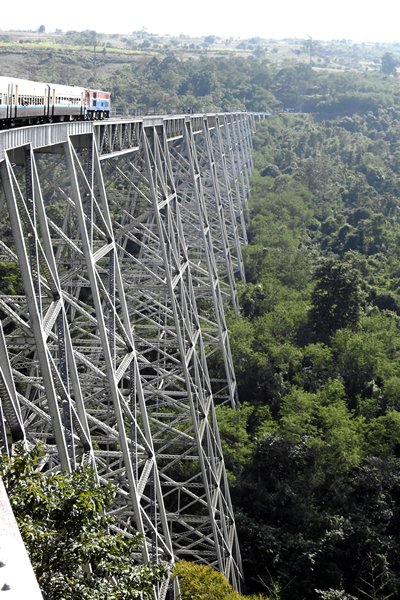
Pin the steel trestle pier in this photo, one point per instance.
(120, 246)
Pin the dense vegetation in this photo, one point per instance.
(201, 582)
(316, 446)
(73, 545)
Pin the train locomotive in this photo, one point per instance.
(24, 102)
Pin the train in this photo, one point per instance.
(24, 102)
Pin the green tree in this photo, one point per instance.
(337, 298)
(236, 442)
(201, 582)
(74, 551)
(389, 64)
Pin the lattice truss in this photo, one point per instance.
(118, 266)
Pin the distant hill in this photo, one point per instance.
(147, 72)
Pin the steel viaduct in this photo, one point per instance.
(126, 239)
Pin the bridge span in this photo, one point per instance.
(120, 246)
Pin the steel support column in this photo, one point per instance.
(123, 241)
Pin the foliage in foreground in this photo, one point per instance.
(200, 582)
(63, 523)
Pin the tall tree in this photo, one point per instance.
(336, 299)
(389, 64)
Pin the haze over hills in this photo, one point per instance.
(360, 21)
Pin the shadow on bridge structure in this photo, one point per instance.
(124, 238)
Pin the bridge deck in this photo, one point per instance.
(39, 136)
(55, 133)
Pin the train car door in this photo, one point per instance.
(47, 101)
(52, 95)
(15, 98)
(11, 102)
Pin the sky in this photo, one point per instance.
(358, 20)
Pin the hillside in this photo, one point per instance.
(146, 72)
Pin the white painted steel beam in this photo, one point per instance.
(125, 237)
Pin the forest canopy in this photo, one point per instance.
(315, 459)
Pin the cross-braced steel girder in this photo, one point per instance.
(203, 222)
(79, 385)
(158, 275)
(124, 244)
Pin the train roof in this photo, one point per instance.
(25, 84)
(31, 87)
(66, 90)
(98, 91)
